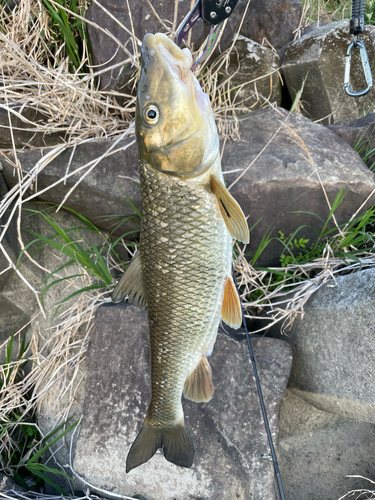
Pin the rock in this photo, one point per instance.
(18, 303)
(359, 134)
(274, 191)
(228, 432)
(105, 52)
(24, 130)
(319, 449)
(282, 185)
(7, 484)
(333, 347)
(270, 20)
(251, 62)
(101, 194)
(321, 56)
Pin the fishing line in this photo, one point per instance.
(260, 396)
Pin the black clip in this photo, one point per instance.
(216, 11)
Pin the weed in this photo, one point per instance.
(22, 458)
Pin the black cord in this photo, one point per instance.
(260, 395)
(357, 22)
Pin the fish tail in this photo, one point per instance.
(176, 442)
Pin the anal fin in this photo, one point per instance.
(131, 285)
(231, 310)
(231, 211)
(198, 385)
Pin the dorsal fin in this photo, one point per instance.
(231, 211)
(231, 311)
(131, 284)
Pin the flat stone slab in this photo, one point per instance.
(334, 347)
(318, 450)
(228, 432)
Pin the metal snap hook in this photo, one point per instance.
(357, 44)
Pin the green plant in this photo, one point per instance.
(89, 259)
(27, 447)
(69, 29)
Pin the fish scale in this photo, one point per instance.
(184, 250)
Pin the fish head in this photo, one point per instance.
(175, 127)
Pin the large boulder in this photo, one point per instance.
(106, 52)
(319, 57)
(276, 192)
(22, 129)
(270, 22)
(359, 134)
(333, 347)
(253, 74)
(282, 189)
(100, 196)
(228, 432)
(319, 449)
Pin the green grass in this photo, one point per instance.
(68, 29)
(24, 455)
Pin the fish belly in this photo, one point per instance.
(186, 255)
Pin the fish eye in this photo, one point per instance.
(151, 114)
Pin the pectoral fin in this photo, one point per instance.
(231, 311)
(131, 284)
(231, 211)
(198, 385)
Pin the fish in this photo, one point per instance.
(182, 270)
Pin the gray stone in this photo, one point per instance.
(228, 432)
(318, 450)
(105, 51)
(321, 56)
(282, 184)
(254, 74)
(101, 193)
(360, 135)
(7, 484)
(270, 21)
(23, 122)
(334, 347)
(275, 190)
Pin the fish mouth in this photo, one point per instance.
(160, 50)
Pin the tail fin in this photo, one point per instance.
(176, 442)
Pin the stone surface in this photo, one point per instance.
(275, 190)
(319, 449)
(334, 347)
(228, 432)
(254, 74)
(282, 183)
(321, 56)
(105, 51)
(360, 135)
(7, 484)
(270, 21)
(24, 134)
(100, 194)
